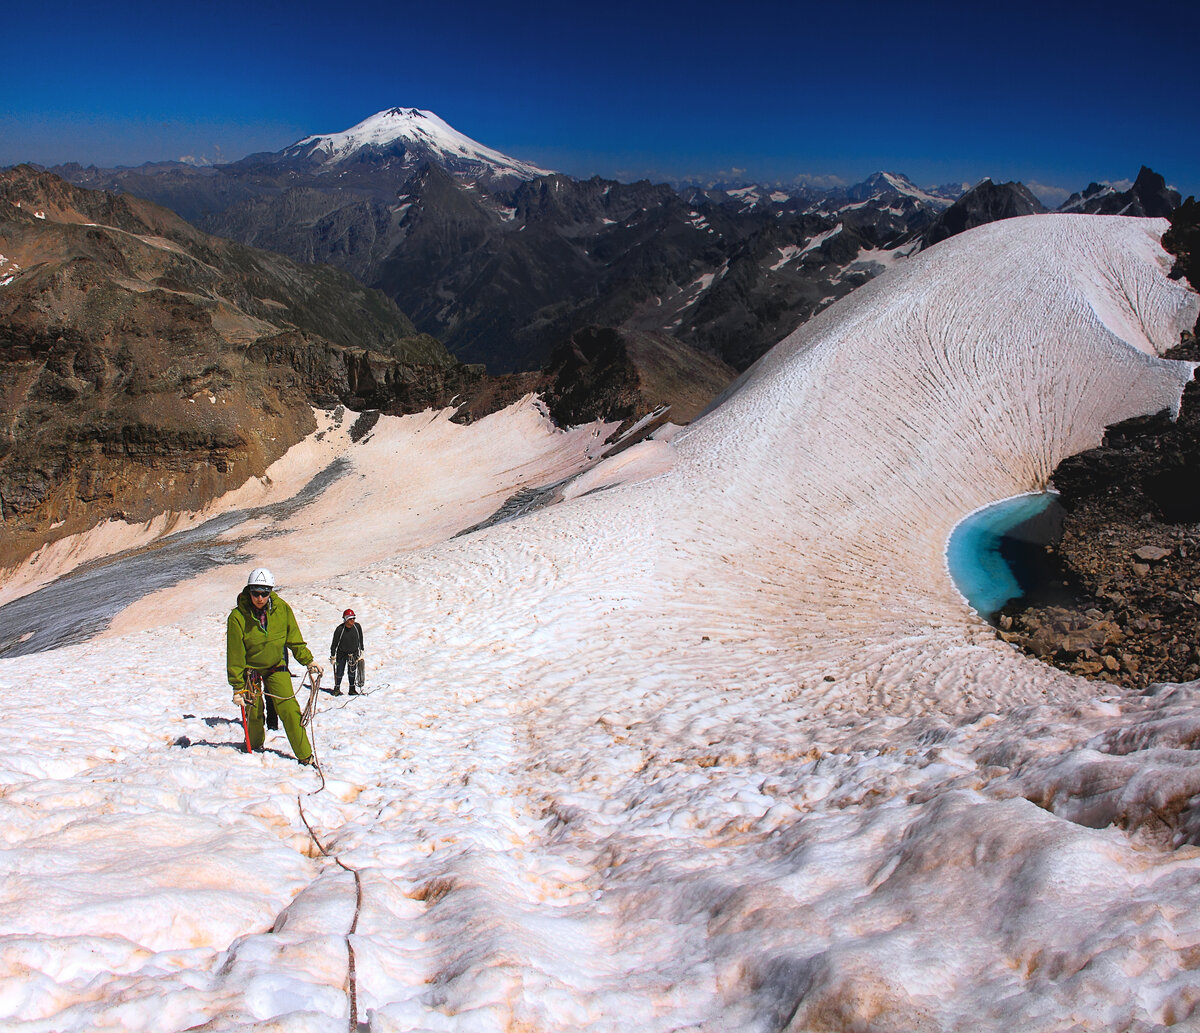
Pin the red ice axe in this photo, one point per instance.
(246, 728)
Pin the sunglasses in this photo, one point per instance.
(261, 593)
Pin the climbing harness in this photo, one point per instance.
(255, 691)
(251, 694)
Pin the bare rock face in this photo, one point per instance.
(146, 367)
(1131, 548)
(986, 202)
(1148, 196)
(601, 373)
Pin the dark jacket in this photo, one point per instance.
(347, 642)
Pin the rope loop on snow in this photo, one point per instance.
(351, 971)
(308, 713)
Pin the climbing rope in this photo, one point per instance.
(308, 716)
(351, 973)
(254, 692)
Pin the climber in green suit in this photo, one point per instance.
(259, 628)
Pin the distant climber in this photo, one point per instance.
(347, 647)
(258, 629)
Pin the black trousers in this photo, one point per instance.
(340, 667)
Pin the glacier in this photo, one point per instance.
(713, 744)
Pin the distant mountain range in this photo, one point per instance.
(504, 262)
(147, 367)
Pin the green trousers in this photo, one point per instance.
(278, 685)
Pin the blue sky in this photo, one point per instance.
(1053, 94)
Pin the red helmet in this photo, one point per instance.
(347, 613)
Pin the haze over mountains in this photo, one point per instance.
(503, 261)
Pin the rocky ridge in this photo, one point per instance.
(504, 268)
(604, 374)
(1148, 196)
(146, 367)
(985, 202)
(1129, 555)
(504, 263)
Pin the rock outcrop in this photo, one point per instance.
(146, 367)
(604, 374)
(1131, 553)
(1148, 196)
(985, 202)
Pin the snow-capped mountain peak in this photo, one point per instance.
(883, 183)
(421, 135)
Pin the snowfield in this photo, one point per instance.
(714, 745)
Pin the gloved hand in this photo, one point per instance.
(362, 655)
(241, 698)
(315, 672)
(333, 661)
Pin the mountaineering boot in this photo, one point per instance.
(307, 762)
(353, 691)
(335, 691)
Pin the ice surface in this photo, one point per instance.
(714, 745)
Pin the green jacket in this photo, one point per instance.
(247, 645)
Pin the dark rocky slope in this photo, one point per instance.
(1130, 555)
(985, 202)
(604, 374)
(146, 367)
(505, 273)
(1148, 196)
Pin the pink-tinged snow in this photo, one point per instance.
(718, 747)
(786, 254)
(414, 126)
(820, 239)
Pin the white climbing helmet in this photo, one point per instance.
(261, 577)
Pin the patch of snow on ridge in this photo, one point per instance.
(820, 239)
(719, 748)
(786, 254)
(908, 189)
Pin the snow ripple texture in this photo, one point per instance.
(719, 748)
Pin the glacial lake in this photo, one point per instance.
(998, 553)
